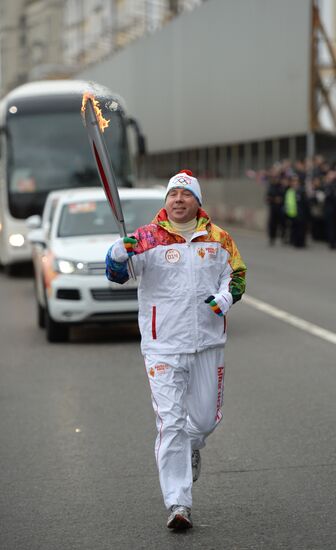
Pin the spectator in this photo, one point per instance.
(275, 200)
(312, 197)
(316, 203)
(296, 208)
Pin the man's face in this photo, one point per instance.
(181, 205)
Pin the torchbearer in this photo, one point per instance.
(95, 125)
(191, 274)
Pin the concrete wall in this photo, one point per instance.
(230, 71)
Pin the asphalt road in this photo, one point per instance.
(77, 429)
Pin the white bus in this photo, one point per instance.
(44, 147)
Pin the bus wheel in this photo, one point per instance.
(55, 332)
(11, 270)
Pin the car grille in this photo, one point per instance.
(96, 268)
(105, 294)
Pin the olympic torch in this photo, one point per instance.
(103, 162)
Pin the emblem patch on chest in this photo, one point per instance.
(210, 250)
(172, 256)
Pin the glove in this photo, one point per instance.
(214, 306)
(123, 249)
(130, 244)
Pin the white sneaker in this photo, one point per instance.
(179, 517)
(196, 464)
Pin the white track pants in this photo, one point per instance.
(187, 395)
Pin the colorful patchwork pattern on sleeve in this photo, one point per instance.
(238, 283)
(214, 233)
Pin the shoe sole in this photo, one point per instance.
(179, 523)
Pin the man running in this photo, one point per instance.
(191, 274)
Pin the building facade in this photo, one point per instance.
(57, 38)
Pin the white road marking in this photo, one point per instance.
(290, 319)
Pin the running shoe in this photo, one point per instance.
(179, 518)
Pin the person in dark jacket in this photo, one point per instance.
(316, 206)
(297, 210)
(275, 200)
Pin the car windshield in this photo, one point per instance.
(95, 218)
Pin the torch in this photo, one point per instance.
(95, 125)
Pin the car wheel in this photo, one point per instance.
(40, 310)
(55, 332)
(40, 315)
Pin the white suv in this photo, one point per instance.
(69, 258)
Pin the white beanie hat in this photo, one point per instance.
(185, 180)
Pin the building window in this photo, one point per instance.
(261, 155)
(276, 150)
(284, 145)
(267, 151)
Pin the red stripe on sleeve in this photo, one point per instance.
(154, 322)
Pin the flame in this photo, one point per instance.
(103, 122)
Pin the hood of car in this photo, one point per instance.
(86, 249)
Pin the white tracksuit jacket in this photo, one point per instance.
(175, 278)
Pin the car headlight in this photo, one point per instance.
(69, 267)
(16, 240)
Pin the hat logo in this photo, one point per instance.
(172, 256)
(182, 180)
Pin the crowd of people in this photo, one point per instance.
(301, 199)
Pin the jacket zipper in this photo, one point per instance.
(193, 286)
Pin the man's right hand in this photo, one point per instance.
(130, 244)
(123, 249)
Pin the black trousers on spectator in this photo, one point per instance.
(298, 232)
(330, 220)
(276, 223)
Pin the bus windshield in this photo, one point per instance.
(50, 150)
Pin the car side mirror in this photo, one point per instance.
(36, 236)
(142, 146)
(141, 139)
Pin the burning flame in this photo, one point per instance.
(103, 122)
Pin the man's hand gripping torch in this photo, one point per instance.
(105, 169)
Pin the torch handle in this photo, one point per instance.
(131, 270)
